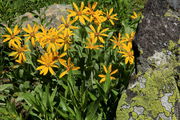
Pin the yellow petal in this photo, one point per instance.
(63, 73)
(13, 53)
(85, 17)
(63, 20)
(64, 64)
(9, 30)
(45, 70)
(63, 54)
(75, 68)
(105, 69)
(126, 60)
(102, 80)
(81, 19)
(115, 71)
(94, 5)
(101, 40)
(92, 28)
(111, 22)
(110, 68)
(26, 30)
(82, 6)
(40, 67)
(110, 11)
(102, 76)
(75, 6)
(104, 30)
(51, 70)
(98, 29)
(30, 28)
(5, 40)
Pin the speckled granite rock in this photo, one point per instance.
(153, 93)
(50, 16)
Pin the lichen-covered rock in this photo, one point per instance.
(153, 93)
(158, 99)
(50, 16)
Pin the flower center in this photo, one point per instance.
(66, 25)
(32, 34)
(108, 17)
(12, 36)
(130, 54)
(79, 13)
(97, 34)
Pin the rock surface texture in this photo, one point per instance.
(153, 93)
(49, 16)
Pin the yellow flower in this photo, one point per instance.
(90, 10)
(79, 13)
(98, 17)
(98, 34)
(129, 37)
(91, 43)
(31, 33)
(109, 71)
(48, 63)
(19, 53)
(69, 66)
(67, 24)
(111, 17)
(52, 40)
(65, 39)
(128, 53)
(12, 38)
(117, 42)
(134, 16)
(41, 37)
(58, 56)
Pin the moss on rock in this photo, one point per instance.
(158, 97)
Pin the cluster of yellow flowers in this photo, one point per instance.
(53, 40)
(124, 44)
(50, 40)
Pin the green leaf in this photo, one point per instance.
(21, 72)
(62, 113)
(107, 83)
(92, 109)
(78, 115)
(115, 92)
(93, 97)
(100, 89)
(5, 86)
(110, 35)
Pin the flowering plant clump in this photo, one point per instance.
(87, 61)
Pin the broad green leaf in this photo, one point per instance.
(6, 86)
(92, 109)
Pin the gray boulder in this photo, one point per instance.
(153, 92)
